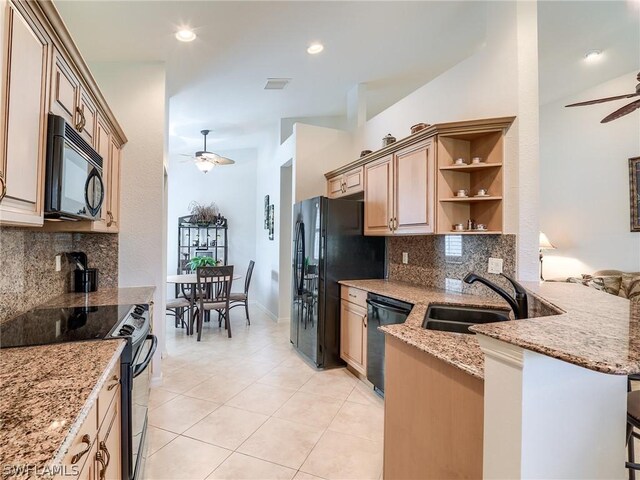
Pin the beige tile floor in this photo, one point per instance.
(250, 407)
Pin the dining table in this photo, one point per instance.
(191, 279)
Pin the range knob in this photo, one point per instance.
(126, 330)
(139, 309)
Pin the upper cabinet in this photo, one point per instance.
(399, 192)
(23, 133)
(438, 180)
(44, 73)
(347, 184)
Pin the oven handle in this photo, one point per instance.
(139, 368)
(388, 307)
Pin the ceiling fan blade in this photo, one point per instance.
(621, 112)
(224, 161)
(602, 100)
(185, 155)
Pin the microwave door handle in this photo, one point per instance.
(141, 367)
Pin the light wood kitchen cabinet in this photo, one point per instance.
(414, 189)
(22, 137)
(378, 197)
(96, 451)
(400, 192)
(347, 184)
(433, 416)
(65, 90)
(353, 329)
(113, 200)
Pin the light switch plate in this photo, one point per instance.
(58, 263)
(405, 257)
(495, 265)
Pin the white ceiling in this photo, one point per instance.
(217, 81)
(568, 30)
(394, 47)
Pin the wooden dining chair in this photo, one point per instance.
(238, 299)
(214, 290)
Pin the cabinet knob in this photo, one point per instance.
(395, 223)
(110, 222)
(391, 224)
(83, 121)
(364, 320)
(86, 439)
(104, 458)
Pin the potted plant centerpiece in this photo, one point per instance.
(197, 262)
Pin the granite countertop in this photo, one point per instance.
(46, 393)
(460, 350)
(107, 296)
(597, 330)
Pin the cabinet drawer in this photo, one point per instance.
(79, 451)
(108, 392)
(354, 295)
(354, 181)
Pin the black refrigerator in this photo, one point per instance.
(328, 246)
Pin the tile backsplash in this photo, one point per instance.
(442, 261)
(27, 265)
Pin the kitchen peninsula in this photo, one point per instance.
(582, 342)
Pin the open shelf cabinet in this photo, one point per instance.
(488, 175)
(202, 240)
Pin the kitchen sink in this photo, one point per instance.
(450, 318)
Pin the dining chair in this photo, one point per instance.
(214, 289)
(242, 298)
(179, 307)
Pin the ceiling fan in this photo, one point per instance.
(206, 160)
(621, 112)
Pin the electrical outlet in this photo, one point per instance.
(495, 265)
(58, 263)
(405, 257)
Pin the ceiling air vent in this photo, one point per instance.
(276, 83)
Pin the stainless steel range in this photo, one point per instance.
(131, 322)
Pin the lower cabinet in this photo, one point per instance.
(433, 416)
(96, 451)
(353, 329)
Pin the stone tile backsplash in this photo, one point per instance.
(27, 265)
(442, 261)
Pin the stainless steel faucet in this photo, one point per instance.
(519, 304)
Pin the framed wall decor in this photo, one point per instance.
(634, 192)
(272, 215)
(266, 212)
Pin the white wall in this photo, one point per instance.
(585, 183)
(233, 189)
(499, 80)
(136, 94)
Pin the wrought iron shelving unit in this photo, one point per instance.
(204, 240)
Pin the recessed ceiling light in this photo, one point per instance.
(592, 55)
(186, 35)
(315, 48)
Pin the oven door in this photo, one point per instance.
(140, 404)
(82, 190)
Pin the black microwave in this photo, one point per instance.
(73, 185)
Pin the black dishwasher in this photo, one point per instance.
(381, 311)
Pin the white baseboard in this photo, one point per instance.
(284, 319)
(266, 311)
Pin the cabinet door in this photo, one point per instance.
(353, 335)
(23, 122)
(113, 199)
(414, 189)
(86, 118)
(102, 143)
(335, 187)
(378, 197)
(65, 90)
(109, 456)
(354, 181)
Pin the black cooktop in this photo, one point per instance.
(58, 325)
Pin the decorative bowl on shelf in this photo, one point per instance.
(364, 153)
(418, 126)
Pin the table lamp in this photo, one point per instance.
(544, 244)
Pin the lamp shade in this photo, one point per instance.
(204, 165)
(544, 242)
